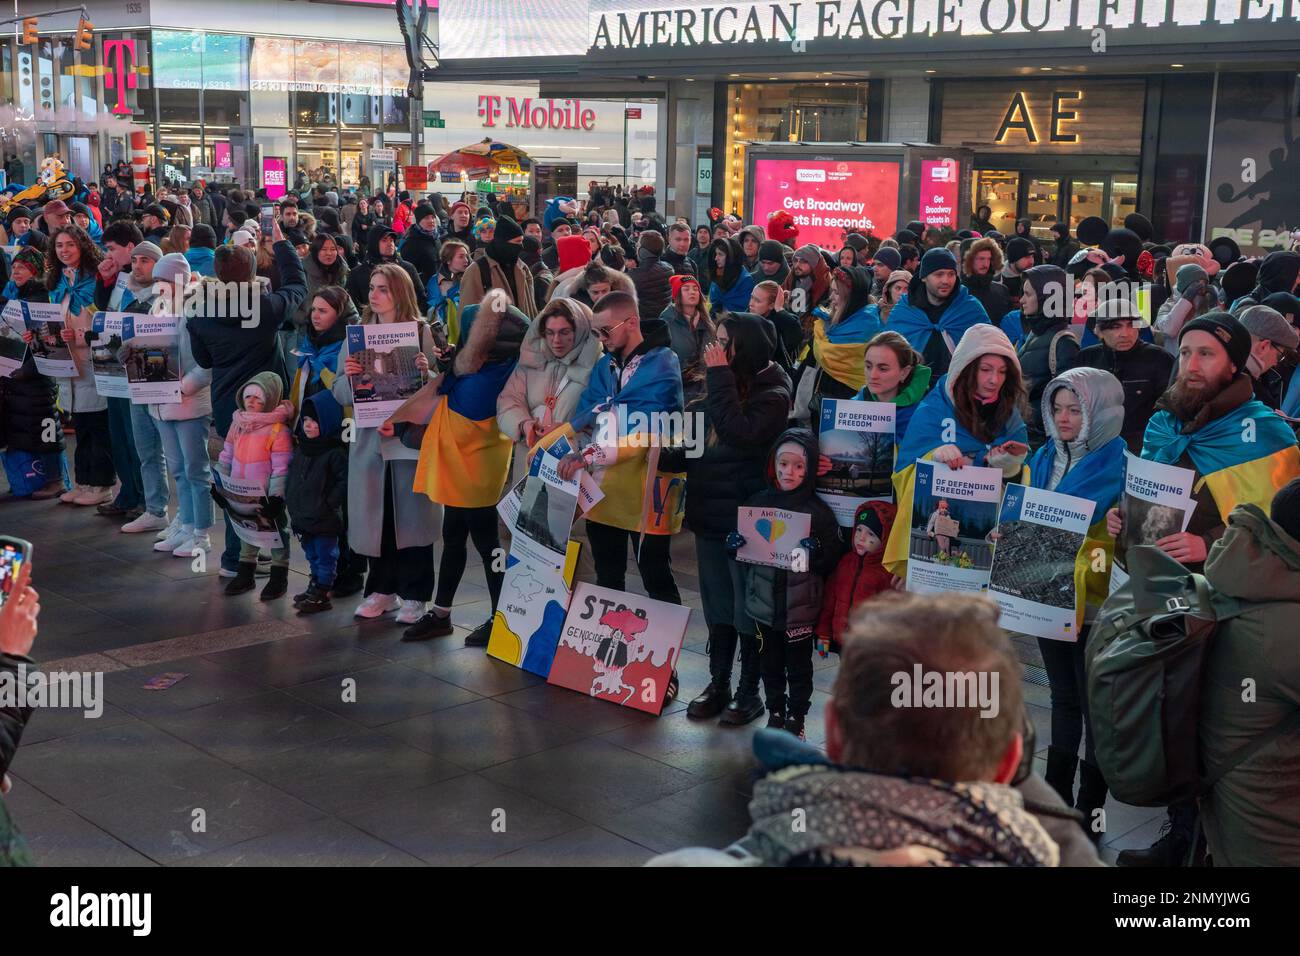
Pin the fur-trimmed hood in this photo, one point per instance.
(492, 332)
(978, 246)
(567, 283)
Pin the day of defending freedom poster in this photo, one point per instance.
(1036, 546)
(151, 355)
(52, 355)
(858, 438)
(13, 350)
(110, 373)
(244, 506)
(389, 375)
(953, 512)
(1157, 502)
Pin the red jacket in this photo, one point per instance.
(857, 578)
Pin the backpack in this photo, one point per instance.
(1145, 659)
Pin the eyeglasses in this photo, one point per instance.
(560, 333)
(605, 332)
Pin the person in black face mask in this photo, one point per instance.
(500, 268)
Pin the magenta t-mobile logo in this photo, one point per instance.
(123, 74)
(489, 107)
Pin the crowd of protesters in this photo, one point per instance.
(1000, 351)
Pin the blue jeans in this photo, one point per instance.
(126, 459)
(322, 552)
(149, 449)
(185, 444)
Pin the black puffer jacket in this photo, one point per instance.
(739, 429)
(421, 250)
(359, 278)
(27, 398)
(1049, 348)
(792, 600)
(316, 491)
(653, 291)
(994, 296)
(1144, 371)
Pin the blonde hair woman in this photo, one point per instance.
(387, 521)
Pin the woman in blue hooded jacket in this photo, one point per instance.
(730, 283)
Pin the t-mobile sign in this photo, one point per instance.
(274, 176)
(828, 199)
(939, 187)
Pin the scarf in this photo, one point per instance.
(924, 432)
(80, 293)
(1098, 476)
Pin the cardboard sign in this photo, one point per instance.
(771, 535)
(530, 615)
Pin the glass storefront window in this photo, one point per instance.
(788, 113)
(1123, 198)
(999, 190)
(1042, 206)
(1086, 197)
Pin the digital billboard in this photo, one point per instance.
(828, 199)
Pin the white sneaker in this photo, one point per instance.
(377, 605)
(71, 493)
(193, 544)
(93, 495)
(411, 612)
(146, 522)
(170, 530)
(178, 537)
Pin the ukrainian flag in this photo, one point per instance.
(841, 350)
(1245, 457)
(464, 458)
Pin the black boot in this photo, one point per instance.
(1092, 797)
(1061, 765)
(311, 584)
(243, 579)
(317, 599)
(1174, 845)
(722, 651)
(277, 584)
(746, 705)
(794, 725)
(775, 720)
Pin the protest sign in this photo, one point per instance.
(771, 535)
(546, 509)
(530, 615)
(1156, 503)
(46, 323)
(1035, 553)
(389, 375)
(110, 373)
(13, 350)
(151, 355)
(953, 512)
(858, 438)
(244, 506)
(619, 647)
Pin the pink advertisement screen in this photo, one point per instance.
(828, 199)
(274, 176)
(940, 183)
(222, 153)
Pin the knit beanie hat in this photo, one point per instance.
(423, 210)
(1285, 510)
(33, 258)
(888, 256)
(1018, 247)
(173, 267)
(1232, 335)
(866, 515)
(771, 251)
(1187, 276)
(809, 254)
(936, 260)
(17, 212)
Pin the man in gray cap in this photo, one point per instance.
(1270, 335)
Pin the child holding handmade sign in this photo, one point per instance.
(255, 460)
(784, 579)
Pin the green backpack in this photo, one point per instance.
(1145, 660)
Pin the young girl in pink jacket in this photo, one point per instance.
(259, 446)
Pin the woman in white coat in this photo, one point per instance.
(555, 361)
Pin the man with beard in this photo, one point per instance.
(1202, 423)
(807, 285)
(980, 265)
(936, 311)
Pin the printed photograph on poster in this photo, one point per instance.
(858, 438)
(13, 350)
(110, 373)
(244, 506)
(953, 512)
(51, 353)
(619, 647)
(151, 355)
(771, 535)
(508, 506)
(1157, 500)
(546, 510)
(1035, 551)
(530, 615)
(389, 375)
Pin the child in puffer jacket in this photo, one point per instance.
(785, 605)
(259, 447)
(859, 576)
(317, 495)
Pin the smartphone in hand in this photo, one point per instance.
(267, 220)
(14, 553)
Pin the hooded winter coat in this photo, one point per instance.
(317, 488)
(993, 295)
(1277, 273)
(738, 429)
(1049, 347)
(792, 600)
(544, 386)
(420, 249)
(358, 284)
(1251, 817)
(839, 348)
(857, 578)
(771, 251)
(317, 278)
(729, 288)
(259, 445)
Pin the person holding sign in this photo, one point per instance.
(971, 417)
(895, 373)
(1083, 414)
(785, 605)
(71, 267)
